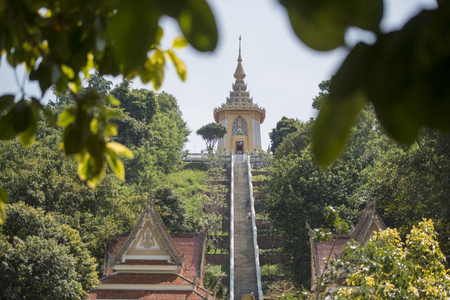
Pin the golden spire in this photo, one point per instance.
(239, 74)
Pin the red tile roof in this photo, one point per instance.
(190, 247)
(323, 250)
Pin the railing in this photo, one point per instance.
(255, 232)
(194, 157)
(232, 229)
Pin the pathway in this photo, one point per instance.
(245, 281)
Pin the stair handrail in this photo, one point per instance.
(255, 231)
(232, 228)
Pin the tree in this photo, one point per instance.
(171, 209)
(140, 104)
(37, 268)
(299, 189)
(43, 178)
(410, 183)
(42, 258)
(211, 133)
(169, 131)
(284, 127)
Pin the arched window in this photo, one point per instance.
(239, 127)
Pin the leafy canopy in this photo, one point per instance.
(43, 258)
(284, 127)
(211, 133)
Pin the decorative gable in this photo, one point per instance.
(369, 223)
(149, 240)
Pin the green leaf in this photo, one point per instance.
(313, 25)
(7, 130)
(111, 130)
(345, 101)
(365, 14)
(27, 136)
(333, 126)
(82, 158)
(133, 29)
(198, 25)
(120, 149)
(322, 24)
(352, 75)
(21, 119)
(180, 42)
(74, 139)
(3, 201)
(158, 61)
(47, 74)
(6, 101)
(179, 65)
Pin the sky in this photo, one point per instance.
(282, 73)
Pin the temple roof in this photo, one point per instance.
(152, 217)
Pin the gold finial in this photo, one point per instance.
(239, 46)
(239, 74)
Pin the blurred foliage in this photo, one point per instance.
(403, 74)
(60, 43)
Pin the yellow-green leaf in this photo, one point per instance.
(66, 118)
(111, 130)
(112, 100)
(180, 42)
(3, 200)
(179, 65)
(82, 159)
(116, 165)
(68, 71)
(120, 149)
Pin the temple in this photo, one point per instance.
(149, 263)
(240, 116)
